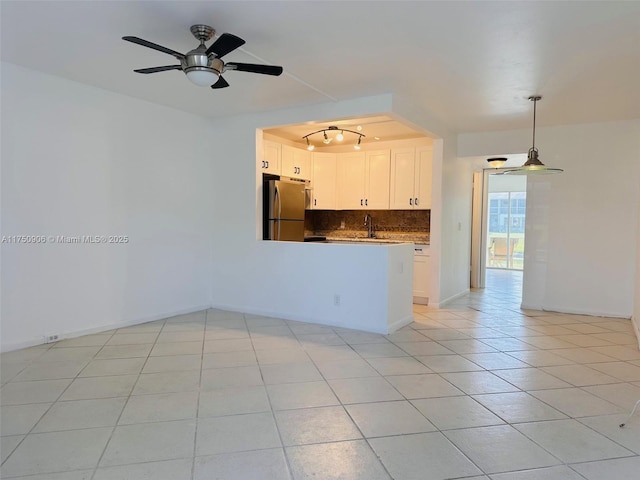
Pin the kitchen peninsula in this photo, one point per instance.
(361, 286)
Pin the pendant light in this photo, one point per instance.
(497, 162)
(533, 166)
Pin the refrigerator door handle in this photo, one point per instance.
(279, 200)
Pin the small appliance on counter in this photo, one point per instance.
(284, 206)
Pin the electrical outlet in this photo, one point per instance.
(336, 300)
(51, 338)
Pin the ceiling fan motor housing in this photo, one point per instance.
(197, 59)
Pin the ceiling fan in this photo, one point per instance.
(202, 65)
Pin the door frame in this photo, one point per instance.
(479, 212)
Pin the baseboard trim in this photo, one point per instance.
(8, 347)
(577, 311)
(444, 302)
(299, 318)
(398, 324)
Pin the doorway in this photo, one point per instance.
(507, 201)
(498, 230)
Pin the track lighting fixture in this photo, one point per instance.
(310, 146)
(338, 137)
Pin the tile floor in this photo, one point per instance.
(479, 390)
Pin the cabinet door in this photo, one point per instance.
(323, 183)
(295, 163)
(402, 179)
(270, 161)
(351, 169)
(421, 265)
(287, 162)
(377, 179)
(423, 176)
(302, 160)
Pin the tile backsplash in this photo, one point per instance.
(334, 222)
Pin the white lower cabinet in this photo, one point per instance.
(421, 267)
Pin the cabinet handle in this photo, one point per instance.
(314, 202)
(416, 201)
(267, 163)
(263, 164)
(411, 201)
(366, 202)
(361, 202)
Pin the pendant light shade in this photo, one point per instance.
(533, 165)
(497, 162)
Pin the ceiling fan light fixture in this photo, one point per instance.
(497, 162)
(533, 165)
(204, 66)
(202, 76)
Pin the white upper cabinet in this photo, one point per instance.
(410, 186)
(396, 179)
(295, 163)
(270, 161)
(323, 182)
(377, 179)
(363, 180)
(422, 186)
(351, 179)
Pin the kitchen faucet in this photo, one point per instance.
(368, 222)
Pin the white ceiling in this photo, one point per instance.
(471, 65)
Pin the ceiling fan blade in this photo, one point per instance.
(255, 68)
(158, 69)
(225, 44)
(221, 83)
(160, 48)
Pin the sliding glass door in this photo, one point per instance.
(505, 232)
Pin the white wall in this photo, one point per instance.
(582, 224)
(77, 160)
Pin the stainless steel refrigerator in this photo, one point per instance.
(285, 210)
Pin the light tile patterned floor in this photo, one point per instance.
(479, 390)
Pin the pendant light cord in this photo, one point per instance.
(533, 143)
(534, 99)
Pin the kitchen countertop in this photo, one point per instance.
(395, 239)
